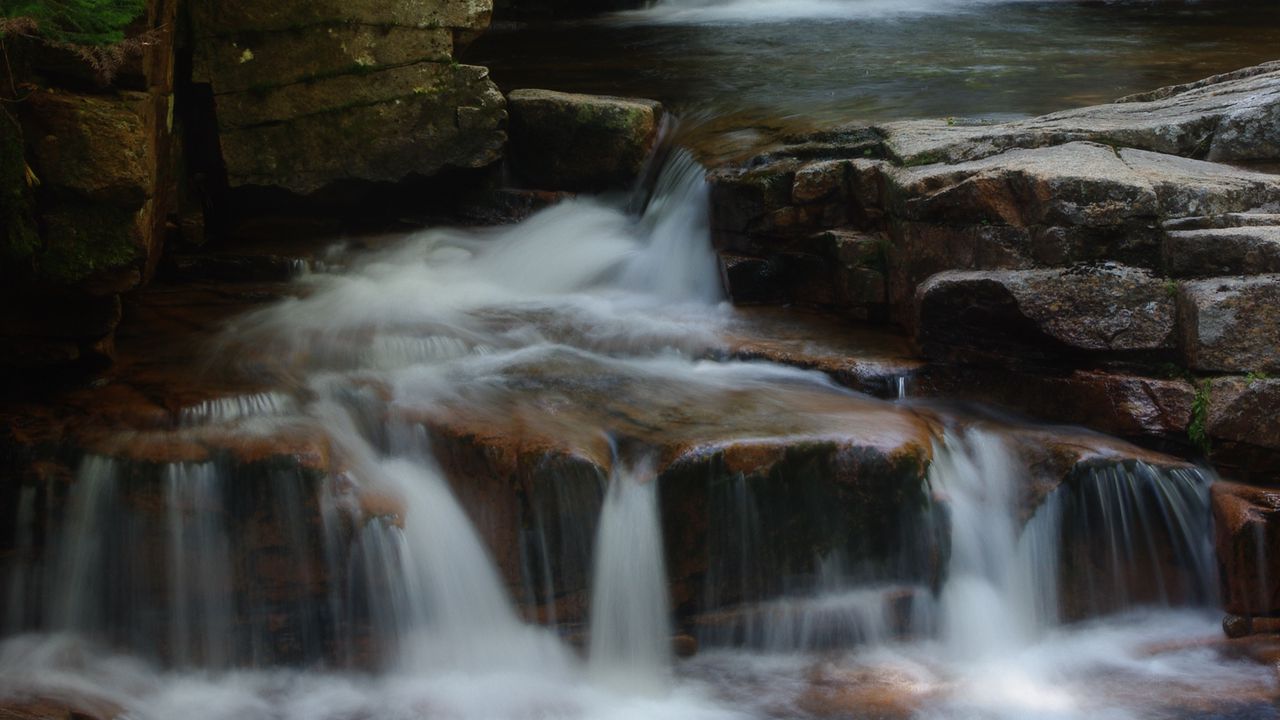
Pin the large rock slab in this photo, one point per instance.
(1230, 117)
(566, 141)
(1110, 310)
(1231, 325)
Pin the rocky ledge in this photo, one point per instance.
(1125, 252)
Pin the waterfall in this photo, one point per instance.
(1115, 536)
(630, 610)
(983, 608)
(82, 582)
(201, 604)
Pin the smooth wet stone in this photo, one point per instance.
(566, 141)
(1108, 309)
(1247, 535)
(1231, 325)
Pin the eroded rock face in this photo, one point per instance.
(308, 94)
(566, 141)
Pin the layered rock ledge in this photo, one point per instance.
(1125, 250)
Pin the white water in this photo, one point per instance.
(630, 612)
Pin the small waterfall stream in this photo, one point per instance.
(630, 611)
(391, 585)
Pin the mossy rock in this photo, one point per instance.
(565, 141)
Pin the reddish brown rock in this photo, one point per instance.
(1247, 535)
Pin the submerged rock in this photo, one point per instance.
(565, 141)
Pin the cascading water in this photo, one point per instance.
(584, 327)
(630, 614)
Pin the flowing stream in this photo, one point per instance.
(590, 326)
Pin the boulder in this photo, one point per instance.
(1231, 325)
(1246, 532)
(1109, 310)
(565, 141)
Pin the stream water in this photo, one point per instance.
(590, 324)
(768, 64)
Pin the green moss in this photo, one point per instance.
(92, 239)
(1197, 429)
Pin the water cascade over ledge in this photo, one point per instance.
(541, 465)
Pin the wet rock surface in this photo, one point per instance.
(1131, 239)
(1247, 522)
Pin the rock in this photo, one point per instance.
(1231, 325)
(1243, 427)
(1247, 531)
(258, 60)
(1248, 250)
(461, 116)
(1127, 405)
(1108, 310)
(224, 17)
(1193, 187)
(1229, 117)
(311, 94)
(1077, 184)
(97, 175)
(840, 270)
(563, 141)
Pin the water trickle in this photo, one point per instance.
(630, 610)
(237, 407)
